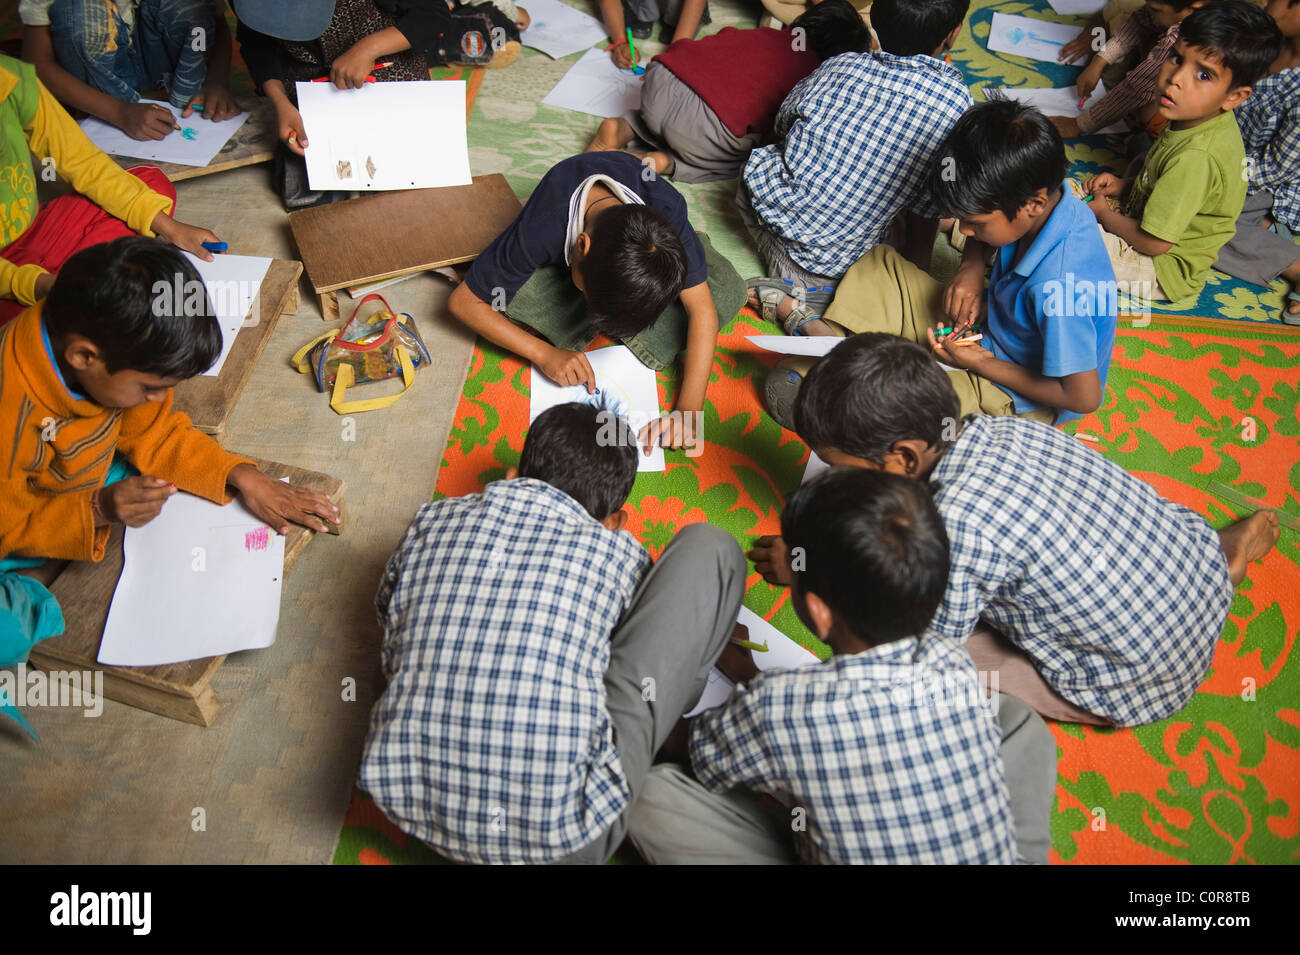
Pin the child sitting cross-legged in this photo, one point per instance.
(1051, 305)
(90, 435)
(1111, 597)
(536, 660)
(1180, 209)
(886, 753)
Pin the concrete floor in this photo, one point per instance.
(273, 774)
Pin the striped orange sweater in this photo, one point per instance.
(56, 451)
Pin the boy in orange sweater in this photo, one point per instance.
(87, 375)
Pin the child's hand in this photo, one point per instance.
(217, 102)
(135, 501)
(1081, 45)
(772, 560)
(350, 69)
(737, 663)
(963, 299)
(670, 431)
(278, 503)
(1104, 186)
(568, 368)
(184, 236)
(145, 121)
(44, 282)
(950, 352)
(1067, 126)
(289, 127)
(622, 55)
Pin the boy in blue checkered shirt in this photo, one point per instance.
(536, 661)
(886, 753)
(1112, 598)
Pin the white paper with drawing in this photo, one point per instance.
(1077, 7)
(623, 385)
(595, 85)
(559, 30)
(232, 283)
(406, 135)
(197, 581)
(1027, 36)
(194, 144)
(1061, 101)
(782, 653)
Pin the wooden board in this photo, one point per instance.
(208, 400)
(397, 233)
(180, 691)
(252, 143)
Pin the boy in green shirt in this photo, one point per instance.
(1183, 205)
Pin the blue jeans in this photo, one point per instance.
(93, 43)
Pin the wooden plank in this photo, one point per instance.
(175, 690)
(397, 233)
(253, 142)
(209, 400)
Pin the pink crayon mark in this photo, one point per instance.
(259, 539)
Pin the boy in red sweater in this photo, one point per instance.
(708, 102)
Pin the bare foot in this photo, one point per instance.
(1247, 541)
(611, 134)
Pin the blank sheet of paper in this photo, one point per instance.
(595, 85)
(558, 30)
(1027, 36)
(782, 654)
(1077, 7)
(232, 282)
(406, 135)
(1061, 101)
(194, 144)
(197, 581)
(623, 384)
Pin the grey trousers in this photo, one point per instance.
(778, 261)
(661, 654)
(678, 821)
(675, 118)
(1255, 254)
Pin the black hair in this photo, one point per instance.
(833, 27)
(914, 27)
(871, 391)
(1239, 35)
(634, 268)
(994, 158)
(588, 454)
(141, 303)
(873, 547)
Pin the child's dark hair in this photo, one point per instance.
(635, 267)
(1239, 35)
(871, 391)
(141, 303)
(588, 454)
(915, 27)
(833, 27)
(874, 548)
(994, 158)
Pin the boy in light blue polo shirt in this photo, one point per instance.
(1051, 306)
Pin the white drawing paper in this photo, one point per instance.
(815, 467)
(814, 346)
(1030, 37)
(623, 385)
(559, 30)
(195, 144)
(197, 581)
(1061, 101)
(233, 283)
(595, 85)
(1076, 7)
(402, 135)
(782, 654)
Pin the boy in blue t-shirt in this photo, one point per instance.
(1051, 306)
